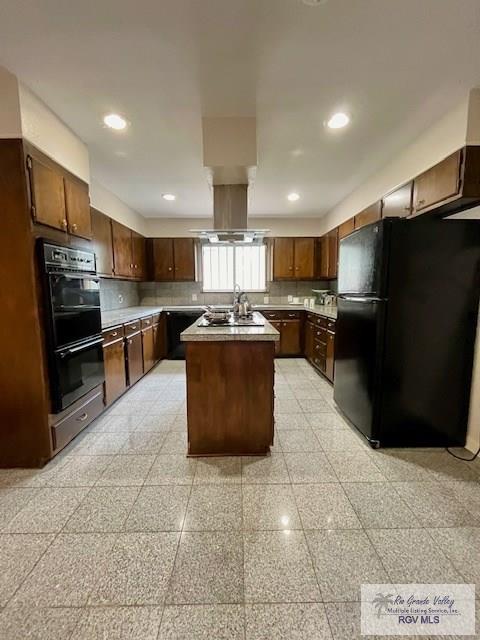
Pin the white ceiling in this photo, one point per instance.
(395, 65)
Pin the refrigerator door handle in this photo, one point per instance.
(364, 299)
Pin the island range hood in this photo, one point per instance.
(230, 213)
(230, 162)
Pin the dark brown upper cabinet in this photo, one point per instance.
(439, 183)
(47, 195)
(58, 199)
(304, 249)
(293, 258)
(122, 249)
(139, 256)
(77, 203)
(173, 259)
(184, 258)
(368, 215)
(102, 243)
(398, 203)
(327, 255)
(283, 258)
(450, 186)
(346, 228)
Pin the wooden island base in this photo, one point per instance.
(230, 397)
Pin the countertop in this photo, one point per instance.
(259, 333)
(120, 316)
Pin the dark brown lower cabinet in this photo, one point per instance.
(278, 344)
(115, 370)
(320, 344)
(290, 341)
(148, 349)
(289, 325)
(309, 342)
(330, 356)
(160, 339)
(134, 357)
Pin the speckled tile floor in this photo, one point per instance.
(122, 537)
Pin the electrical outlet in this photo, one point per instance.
(120, 298)
(290, 298)
(266, 299)
(194, 297)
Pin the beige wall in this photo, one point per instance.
(10, 121)
(47, 132)
(168, 227)
(108, 203)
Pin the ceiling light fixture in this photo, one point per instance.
(338, 121)
(168, 196)
(114, 121)
(293, 197)
(314, 3)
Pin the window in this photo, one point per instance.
(226, 265)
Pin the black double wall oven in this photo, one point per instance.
(74, 327)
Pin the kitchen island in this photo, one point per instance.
(230, 378)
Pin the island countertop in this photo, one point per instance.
(258, 333)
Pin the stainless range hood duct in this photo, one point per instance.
(230, 161)
(230, 206)
(230, 213)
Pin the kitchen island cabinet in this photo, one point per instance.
(230, 378)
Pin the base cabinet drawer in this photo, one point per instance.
(80, 417)
(115, 370)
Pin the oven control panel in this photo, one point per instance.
(66, 258)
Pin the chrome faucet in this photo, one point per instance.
(237, 293)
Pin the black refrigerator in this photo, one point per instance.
(408, 295)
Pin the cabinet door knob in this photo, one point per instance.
(290, 268)
(420, 202)
(114, 334)
(63, 223)
(129, 342)
(74, 227)
(169, 268)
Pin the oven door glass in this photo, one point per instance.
(78, 370)
(75, 304)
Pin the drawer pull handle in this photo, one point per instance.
(83, 417)
(134, 326)
(292, 315)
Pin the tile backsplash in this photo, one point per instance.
(117, 294)
(181, 293)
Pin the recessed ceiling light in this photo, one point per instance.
(293, 197)
(114, 121)
(168, 196)
(338, 121)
